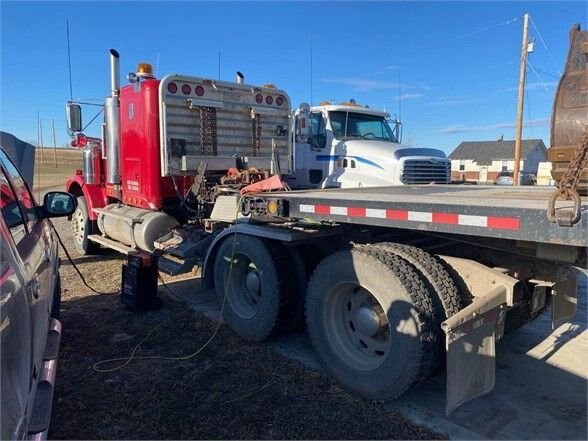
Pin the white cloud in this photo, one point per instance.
(546, 85)
(460, 128)
(363, 84)
(410, 96)
(447, 101)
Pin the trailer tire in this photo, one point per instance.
(369, 317)
(81, 227)
(259, 301)
(442, 289)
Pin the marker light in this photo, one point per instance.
(199, 90)
(269, 99)
(186, 89)
(145, 69)
(172, 87)
(259, 98)
(272, 207)
(279, 101)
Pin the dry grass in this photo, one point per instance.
(51, 173)
(233, 389)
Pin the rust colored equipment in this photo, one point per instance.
(570, 110)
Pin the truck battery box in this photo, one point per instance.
(139, 282)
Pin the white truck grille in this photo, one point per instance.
(426, 171)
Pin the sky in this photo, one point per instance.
(450, 70)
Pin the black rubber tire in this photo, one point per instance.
(277, 285)
(56, 301)
(296, 313)
(405, 300)
(83, 245)
(442, 289)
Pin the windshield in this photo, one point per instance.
(351, 125)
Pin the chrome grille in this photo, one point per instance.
(423, 171)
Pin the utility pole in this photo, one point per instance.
(517, 155)
(41, 135)
(54, 143)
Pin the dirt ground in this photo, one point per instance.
(232, 389)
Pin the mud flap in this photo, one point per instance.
(564, 302)
(471, 338)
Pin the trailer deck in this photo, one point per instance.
(517, 213)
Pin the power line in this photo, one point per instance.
(537, 75)
(547, 73)
(544, 44)
(529, 119)
(504, 23)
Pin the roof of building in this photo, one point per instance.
(484, 152)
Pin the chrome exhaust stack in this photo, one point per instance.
(240, 78)
(111, 121)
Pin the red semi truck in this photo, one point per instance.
(392, 281)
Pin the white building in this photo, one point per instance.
(481, 161)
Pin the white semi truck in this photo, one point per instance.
(350, 146)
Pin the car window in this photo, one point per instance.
(11, 211)
(21, 190)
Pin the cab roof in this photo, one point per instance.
(351, 108)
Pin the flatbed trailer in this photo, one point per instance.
(517, 213)
(470, 261)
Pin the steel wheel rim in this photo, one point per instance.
(243, 291)
(78, 226)
(356, 326)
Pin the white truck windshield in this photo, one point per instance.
(352, 125)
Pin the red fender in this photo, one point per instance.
(95, 194)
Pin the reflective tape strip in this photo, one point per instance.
(495, 222)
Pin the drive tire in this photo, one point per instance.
(260, 298)
(400, 301)
(442, 289)
(81, 227)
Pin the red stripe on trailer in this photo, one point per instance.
(504, 223)
(322, 209)
(397, 215)
(356, 211)
(445, 218)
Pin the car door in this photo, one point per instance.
(35, 251)
(16, 329)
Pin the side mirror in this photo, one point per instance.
(59, 204)
(74, 117)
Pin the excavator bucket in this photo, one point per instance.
(570, 109)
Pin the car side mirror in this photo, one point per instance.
(74, 117)
(59, 204)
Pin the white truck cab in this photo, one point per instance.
(348, 145)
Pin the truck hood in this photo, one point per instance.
(387, 151)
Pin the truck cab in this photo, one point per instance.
(348, 145)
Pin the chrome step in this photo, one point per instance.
(53, 340)
(113, 244)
